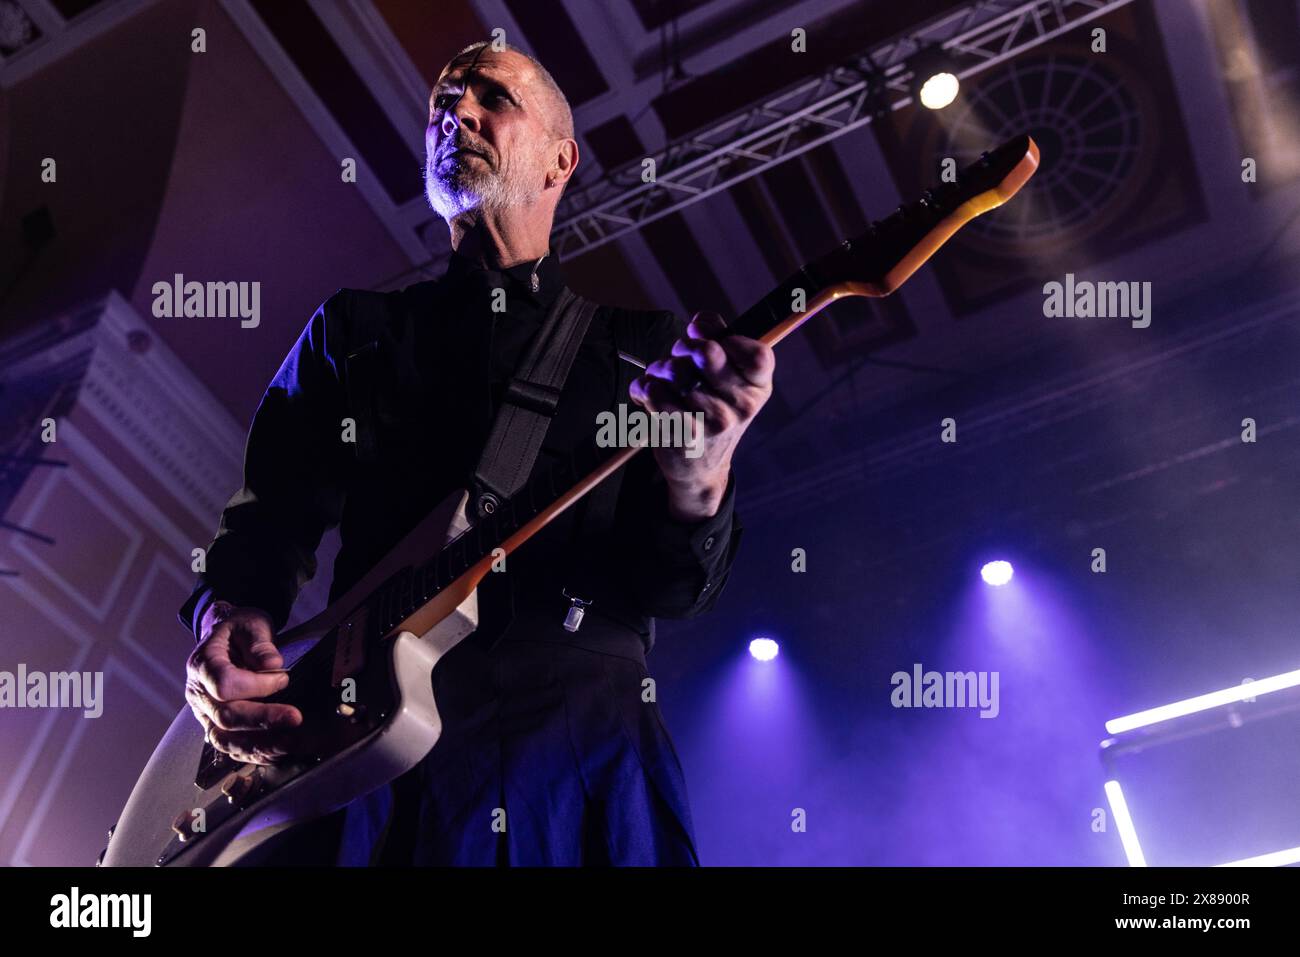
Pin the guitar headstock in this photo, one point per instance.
(880, 260)
(893, 248)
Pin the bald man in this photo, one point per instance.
(553, 749)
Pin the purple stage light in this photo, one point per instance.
(997, 573)
(764, 649)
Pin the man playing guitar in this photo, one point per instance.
(553, 748)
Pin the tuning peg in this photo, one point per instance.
(237, 786)
(183, 826)
(353, 712)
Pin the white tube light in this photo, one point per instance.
(1127, 833)
(1215, 699)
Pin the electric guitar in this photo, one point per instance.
(194, 806)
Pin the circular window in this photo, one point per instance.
(1086, 124)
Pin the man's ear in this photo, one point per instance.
(566, 161)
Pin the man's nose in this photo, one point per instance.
(458, 115)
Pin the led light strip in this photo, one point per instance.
(1205, 702)
(1127, 833)
(1277, 859)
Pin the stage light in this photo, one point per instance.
(939, 90)
(997, 573)
(1127, 833)
(934, 78)
(1203, 702)
(764, 649)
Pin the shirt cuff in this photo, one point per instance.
(191, 613)
(704, 541)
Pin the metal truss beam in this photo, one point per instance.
(976, 37)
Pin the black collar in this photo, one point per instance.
(517, 279)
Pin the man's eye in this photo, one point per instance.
(443, 100)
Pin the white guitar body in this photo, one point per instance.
(221, 829)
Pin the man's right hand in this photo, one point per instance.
(235, 663)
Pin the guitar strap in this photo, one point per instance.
(529, 403)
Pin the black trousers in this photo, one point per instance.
(551, 754)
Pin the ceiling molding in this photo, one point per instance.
(378, 58)
(324, 124)
(60, 37)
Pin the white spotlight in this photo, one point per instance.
(997, 573)
(939, 90)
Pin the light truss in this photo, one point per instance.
(843, 98)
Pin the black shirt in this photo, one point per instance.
(447, 355)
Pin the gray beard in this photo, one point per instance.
(456, 189)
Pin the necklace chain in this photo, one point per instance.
(533, 282)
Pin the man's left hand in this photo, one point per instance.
(735, 380)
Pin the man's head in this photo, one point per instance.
(514, 130)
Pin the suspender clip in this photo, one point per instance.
(577, 608)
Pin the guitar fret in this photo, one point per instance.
(425, 582)
(404, 592)
(443, 564)
(509, 518)
(480, 538)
